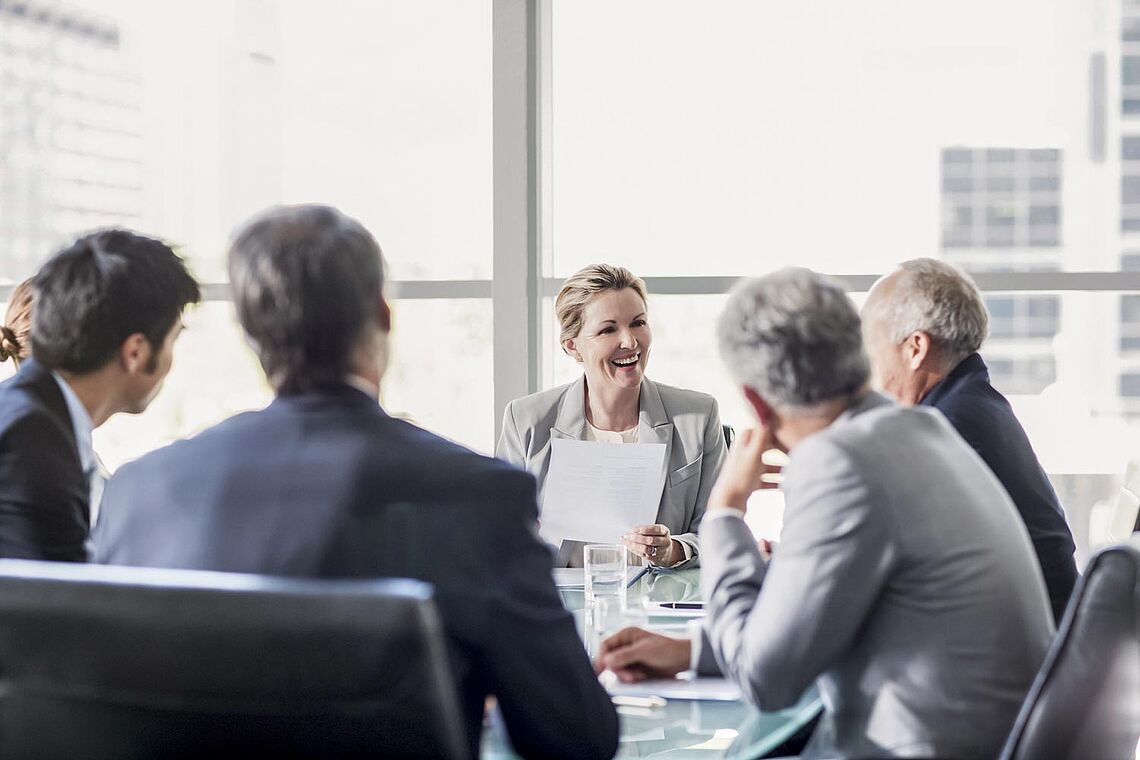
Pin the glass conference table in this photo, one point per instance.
(679, 728)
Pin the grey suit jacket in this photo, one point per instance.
(905, 582)
(687, 422)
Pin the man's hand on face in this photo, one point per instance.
(634, 654)
(744, 469)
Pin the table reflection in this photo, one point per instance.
(680, 728)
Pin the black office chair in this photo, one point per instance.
(1085, 701)
(111, 662)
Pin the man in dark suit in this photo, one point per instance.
(107, 311)
(323, 483)
(923, 326)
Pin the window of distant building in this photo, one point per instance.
(1130, 323)
(1129, 60)
(1024, 316)
(1130, 385)
(1001, 211)
(1001, 198)
(1023, 375)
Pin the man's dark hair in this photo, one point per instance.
(305, 281)
(103, 288)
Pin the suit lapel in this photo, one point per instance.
(571, 421)
(40, 381)
(654, 425)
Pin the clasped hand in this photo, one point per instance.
(654, 543)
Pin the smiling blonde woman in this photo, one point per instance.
(603, 314)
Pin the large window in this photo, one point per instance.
(495, 147)
(745, 136)
(182, 120)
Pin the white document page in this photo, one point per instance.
(595, 492)
(686, 686)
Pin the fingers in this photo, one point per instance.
(765, 548)
(649, 541)
(622, 638)
(635, 540)
(629, 664)
(625, 654)
(633, 654)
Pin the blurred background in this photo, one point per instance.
(692, 142)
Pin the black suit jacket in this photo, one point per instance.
(325, 484)
(985, 419)
(44, 496)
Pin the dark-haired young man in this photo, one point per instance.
(107, 311)
(322, 483)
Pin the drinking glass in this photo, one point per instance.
(605, 567)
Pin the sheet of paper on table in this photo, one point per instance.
(685, 686)
(595, 492)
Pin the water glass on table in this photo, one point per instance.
(610, 606)
(605, 570)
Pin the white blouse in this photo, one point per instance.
(608, 436)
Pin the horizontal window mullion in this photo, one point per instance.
(990, 282)
(395, 290)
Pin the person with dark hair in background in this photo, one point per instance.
(107, 311)
(15, 332)
(323, 483)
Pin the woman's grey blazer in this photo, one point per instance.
(687, 422)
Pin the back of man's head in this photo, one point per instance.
(100, 290)
(793, 337)
(934, 297)
(306, 282)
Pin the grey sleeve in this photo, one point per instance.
(774, 627)
(701, 659)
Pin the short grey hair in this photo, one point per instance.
(794, 337)
(939, 299)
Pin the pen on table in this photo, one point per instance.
(682, 605)
(640, 574)
(622, 700)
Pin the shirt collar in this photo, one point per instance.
(80, 423)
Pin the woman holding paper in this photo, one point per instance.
(603, 314)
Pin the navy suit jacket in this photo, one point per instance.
(985, 419)
(44, 496)
(325, 484)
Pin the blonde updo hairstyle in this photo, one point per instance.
(582, 286)
(15, 332)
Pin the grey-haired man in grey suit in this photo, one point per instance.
(904, 584)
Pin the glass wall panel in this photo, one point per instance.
(182, 120)
(1082, 417)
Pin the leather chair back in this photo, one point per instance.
(113, 662)
(1085, 701)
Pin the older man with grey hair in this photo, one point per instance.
(923, 325)
(904, 583)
